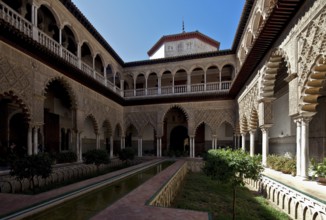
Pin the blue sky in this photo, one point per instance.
(132, 27)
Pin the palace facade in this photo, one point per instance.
(62, 86)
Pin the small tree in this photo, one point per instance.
(97, 157)
(228, 166)
(127, 154)
(31, 166)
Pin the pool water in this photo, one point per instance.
(91, 203)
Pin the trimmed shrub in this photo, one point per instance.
(97, 157)
(66, 157)
(127, 153)
(31, 166)
(282, 163)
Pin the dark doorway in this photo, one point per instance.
(179, 139)
(51, 132)
(18, 133)
(200, 140)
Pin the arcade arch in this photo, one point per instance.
(175, 131)
(58, 117)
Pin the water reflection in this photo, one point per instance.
(86, 206)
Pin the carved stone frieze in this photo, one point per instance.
(249, 103)
(311, 44)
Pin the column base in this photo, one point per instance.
(302, 178)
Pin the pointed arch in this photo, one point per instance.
(270, 72)
(94, 121)
(66, 85)
(206, 124)
(107, 127)
(19, 101)
(314, 87)
(244, 124)
(253, 123)
(177, 107)
(148, 124)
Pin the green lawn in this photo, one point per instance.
(201, 193)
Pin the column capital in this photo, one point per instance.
(265, 127)
(302, 119)
(266, 99)
(252, 131)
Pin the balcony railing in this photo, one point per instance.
(15, 19)
(26, 27)
(180, 89)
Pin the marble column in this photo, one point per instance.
(305, 147)
(159, 85)
(34, 22)
(97, 141)
(159, 147)
(111, 147)
(140, 147)
(252, 142)
(265, 145)
(79, 146)
(298, 142)
(188, 82)
(122, 143)
(194, 148)
(29, 141)
(35, 139)
(243, 137)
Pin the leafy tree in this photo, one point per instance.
(31, 166)
(228, 166)
(127, 154)
(97, 157)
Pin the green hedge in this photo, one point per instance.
(66, 157)
(282, 163)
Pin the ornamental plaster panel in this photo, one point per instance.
(140, 120)
(248, 103)
(17, 79)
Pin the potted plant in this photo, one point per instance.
(319, 170)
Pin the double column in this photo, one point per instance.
(32, 139)
(302, 139)
(237, 143)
